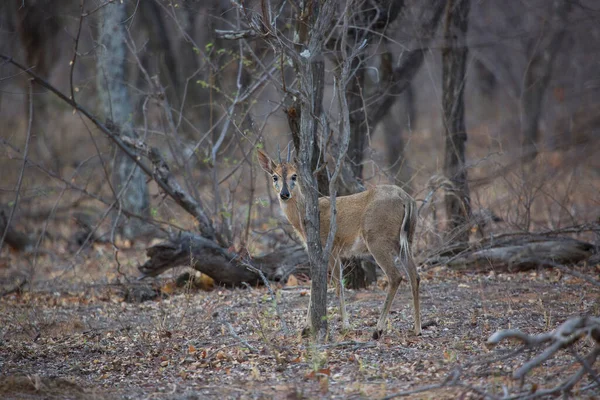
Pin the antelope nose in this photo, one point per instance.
(284, 195)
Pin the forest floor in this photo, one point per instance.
(232, 343)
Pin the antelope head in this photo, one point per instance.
(284, 175)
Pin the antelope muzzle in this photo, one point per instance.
(285, 193)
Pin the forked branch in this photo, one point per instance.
(563, 337)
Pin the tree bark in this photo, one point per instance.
(294, 113)
(310, 68)
(312, 87)
(537, 77)
(454, 60)
(128, 180)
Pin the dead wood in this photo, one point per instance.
(563, 337)
(522, 254)
(205, 253)
(225, 267)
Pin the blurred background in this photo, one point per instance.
(166, 73)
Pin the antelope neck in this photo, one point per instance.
(295, 210)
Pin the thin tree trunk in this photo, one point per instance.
(312, 85)
(394, 129)
(454, 60)
(358, 121)
(38, 28)
(538, 76)
(129, 182)
(294, 113)
(358, 274)
(311, 72)
(395, 80)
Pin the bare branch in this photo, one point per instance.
(117, 139)
(22, 172)
(564, 336)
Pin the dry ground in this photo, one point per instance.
(89, 343)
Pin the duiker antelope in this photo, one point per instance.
(379, 221)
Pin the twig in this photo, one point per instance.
(112, 133)
(564, 336)
(23, 165)
(350, 343)
(75, 46)
(235, 335)
(84, 191)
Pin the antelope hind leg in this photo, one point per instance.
(383, 255)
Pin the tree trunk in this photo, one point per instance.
(395, 80)
(38, 28)
(310, 69)
(454, 60)
(523, 255)
(371, 17)
(394, 129)
(312, 86)
(318, 157)
(538, 76)
(129, 182)
(358, 120)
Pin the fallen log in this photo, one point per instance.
(225, 267)
(527, 253)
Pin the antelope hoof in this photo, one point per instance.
(377, 334)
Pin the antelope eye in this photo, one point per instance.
(275, 178)
(294, 177)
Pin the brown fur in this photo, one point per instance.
(379, 221)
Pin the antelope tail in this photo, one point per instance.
(407, 230)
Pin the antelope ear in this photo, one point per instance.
(265, 162)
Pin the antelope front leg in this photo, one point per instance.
(306, 329)
(338, 279)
